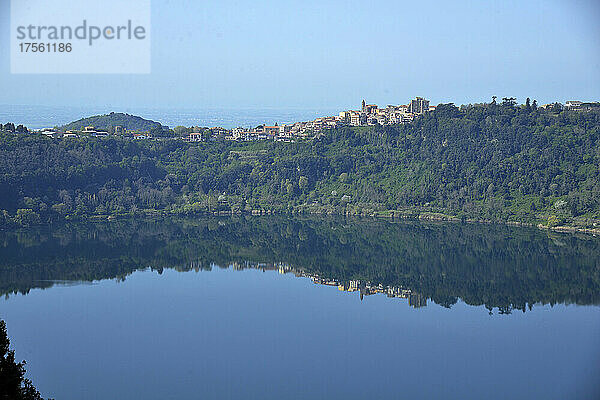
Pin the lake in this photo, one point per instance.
(302, 308)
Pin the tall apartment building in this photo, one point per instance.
(419, 106)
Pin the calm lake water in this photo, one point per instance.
(278, 308)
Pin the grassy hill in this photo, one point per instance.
(109, 121)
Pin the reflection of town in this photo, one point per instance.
(364, 288)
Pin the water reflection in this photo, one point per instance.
(501, 267)
(364, 288)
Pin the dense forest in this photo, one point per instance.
(496, 162)
(497, 266)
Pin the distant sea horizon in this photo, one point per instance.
(38, 117)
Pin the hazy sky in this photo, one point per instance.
(307, 54)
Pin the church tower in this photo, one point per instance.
(363, 106)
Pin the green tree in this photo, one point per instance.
(303, 183)
(181, 130)
(509, 101)
(13, 384)
(26, 217)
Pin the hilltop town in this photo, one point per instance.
(369, 114)
(134, 127)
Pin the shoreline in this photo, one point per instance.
(380, 215)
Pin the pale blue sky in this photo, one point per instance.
(332, 54)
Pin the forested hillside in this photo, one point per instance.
(108, 122)
(499, 162)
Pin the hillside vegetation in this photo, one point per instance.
(491, 162)
(108, 122)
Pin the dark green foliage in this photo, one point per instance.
(108, 122)
(13, 384)
(500, 162)
(8, 127)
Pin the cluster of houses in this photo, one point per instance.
(369, 114)
(581, 106)
(573, 105)
(92, 131)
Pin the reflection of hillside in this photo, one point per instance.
(493, 265)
